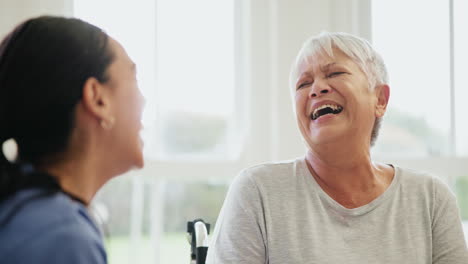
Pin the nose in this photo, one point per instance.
(319, 88)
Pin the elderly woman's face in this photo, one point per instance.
(333, 100)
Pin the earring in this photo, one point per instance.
(107, 124)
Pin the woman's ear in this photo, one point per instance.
(383, 95)
(96, 101)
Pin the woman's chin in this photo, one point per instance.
(140, 160)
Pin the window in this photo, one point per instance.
(418, 122)
(460, 21)
(145, 219)
(188, 62)
(460, 57)
(423, 44)
(215, 76)
(196, 99)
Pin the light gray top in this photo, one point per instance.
(277, 213)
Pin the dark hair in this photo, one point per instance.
(44, 63)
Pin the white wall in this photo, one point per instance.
(12, 12)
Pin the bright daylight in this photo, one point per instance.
(178, 131)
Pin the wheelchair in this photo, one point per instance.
(198, 231)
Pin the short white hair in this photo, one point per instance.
(357, 49)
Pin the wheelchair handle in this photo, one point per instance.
(198, 232)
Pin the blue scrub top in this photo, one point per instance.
(44, 227)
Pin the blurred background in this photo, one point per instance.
(215, 77)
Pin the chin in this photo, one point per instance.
(138, 157)
(140, 164)
(324, 137)
(133, 161)
(139, 160)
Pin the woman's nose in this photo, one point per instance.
(319, 88)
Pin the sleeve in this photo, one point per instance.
(448, 242)
(67, 244)
(240, 235)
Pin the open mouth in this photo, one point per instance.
(325, 110)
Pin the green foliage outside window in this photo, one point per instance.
(461, 189)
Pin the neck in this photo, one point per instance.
(348, 174)
(76, 180)
(81, 175)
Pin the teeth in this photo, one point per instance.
(333, 107)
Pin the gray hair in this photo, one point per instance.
(357, 49)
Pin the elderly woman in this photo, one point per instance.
(336, 205)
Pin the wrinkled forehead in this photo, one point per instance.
(320, 58)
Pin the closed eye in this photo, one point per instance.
(334, 74)
(302, 85)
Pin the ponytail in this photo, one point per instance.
(15, 176)
(8, 170)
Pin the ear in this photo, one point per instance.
(96, 100)
(382, 93)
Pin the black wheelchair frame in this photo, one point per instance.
(198, 231)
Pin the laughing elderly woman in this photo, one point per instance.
(336, 205)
